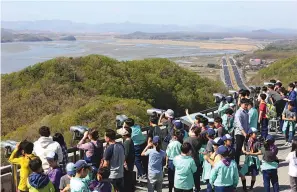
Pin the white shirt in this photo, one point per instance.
(292, 159)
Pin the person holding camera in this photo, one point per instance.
(93, 148)
(25, 148)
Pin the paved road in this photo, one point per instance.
(238, 78)
(282, 171)
(227, 77)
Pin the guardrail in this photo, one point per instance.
(74, 153)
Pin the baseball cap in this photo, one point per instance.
(178, 124)
(156, 139)
(81, 164)
(169, 113)
(122, 132)
(222, 150)
(211, 120)
(252, 130)
(227, 137)
(70, 169)
(217, 141)
(52, 156)
(211, 132)
(270, 138)
(231, 104)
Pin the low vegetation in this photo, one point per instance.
(92, 90)
(284, 70)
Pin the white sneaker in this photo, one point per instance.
(290, 144)
(286, 144)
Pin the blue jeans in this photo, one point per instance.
(171, 171)
(209, 187)
(289, 135)
(141, 162)
(224, 189)
(264, 128)
(270, 175)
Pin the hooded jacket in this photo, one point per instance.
(43, 146)
(38, 182)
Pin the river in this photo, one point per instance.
(18, 55)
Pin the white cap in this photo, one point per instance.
(211, 120)
(169, 113)
(122, 132)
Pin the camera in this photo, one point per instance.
(9, 146)
(219, 97)
(120, 119)
(78, 131)
(158, 111)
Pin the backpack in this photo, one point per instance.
(95, 159)
(271, 111)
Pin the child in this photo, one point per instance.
(253, 115)
(263, 119)
(65, 180)
(102, 184)
(206, 164)
(58, 137)
(270, 164)
(213, 157)
(224, 176)
(211, 123)
(155, 167)
(228, 122)
(203, 124)
(177, 125)
(80, 181)
(292, 160)
(173, 150)
(55, 172)
(289, 117)
(220, 130)
(26, 149)
(185, 168)
(229, 144)
(38, 181)
(252, 163)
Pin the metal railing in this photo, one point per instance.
(74, 154)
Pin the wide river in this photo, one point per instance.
(16, 56)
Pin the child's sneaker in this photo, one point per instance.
(286, 144)
(289, 144)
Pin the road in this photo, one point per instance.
(227, 79)
(283, 176)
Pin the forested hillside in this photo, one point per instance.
(92, 90)
(284, 70)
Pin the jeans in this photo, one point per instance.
(293, 184)
(264, 128)
(118, 184)
(182, 190)
(171, 171)
(281, 123)
(196, 176)
(209, 186)
(155, 182)
(239, 143)
(224, 189)
(141, 162)
(270, 175)
(289, 135)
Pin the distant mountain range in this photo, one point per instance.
(127, 27)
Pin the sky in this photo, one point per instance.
(255, 14)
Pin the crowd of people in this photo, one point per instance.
(209, 150)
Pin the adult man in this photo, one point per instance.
(154, 129)
(196, 144)
(241, 125)
(292, 95)
(44, 145)
(114, 158)
(273, 96)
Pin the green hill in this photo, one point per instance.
(91, 90)
(284, 70)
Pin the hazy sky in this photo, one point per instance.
(266, 14)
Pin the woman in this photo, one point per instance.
(93, 148)
(155, 166)
(58, 137)
(292, 160)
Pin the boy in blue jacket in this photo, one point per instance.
(224, 176)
